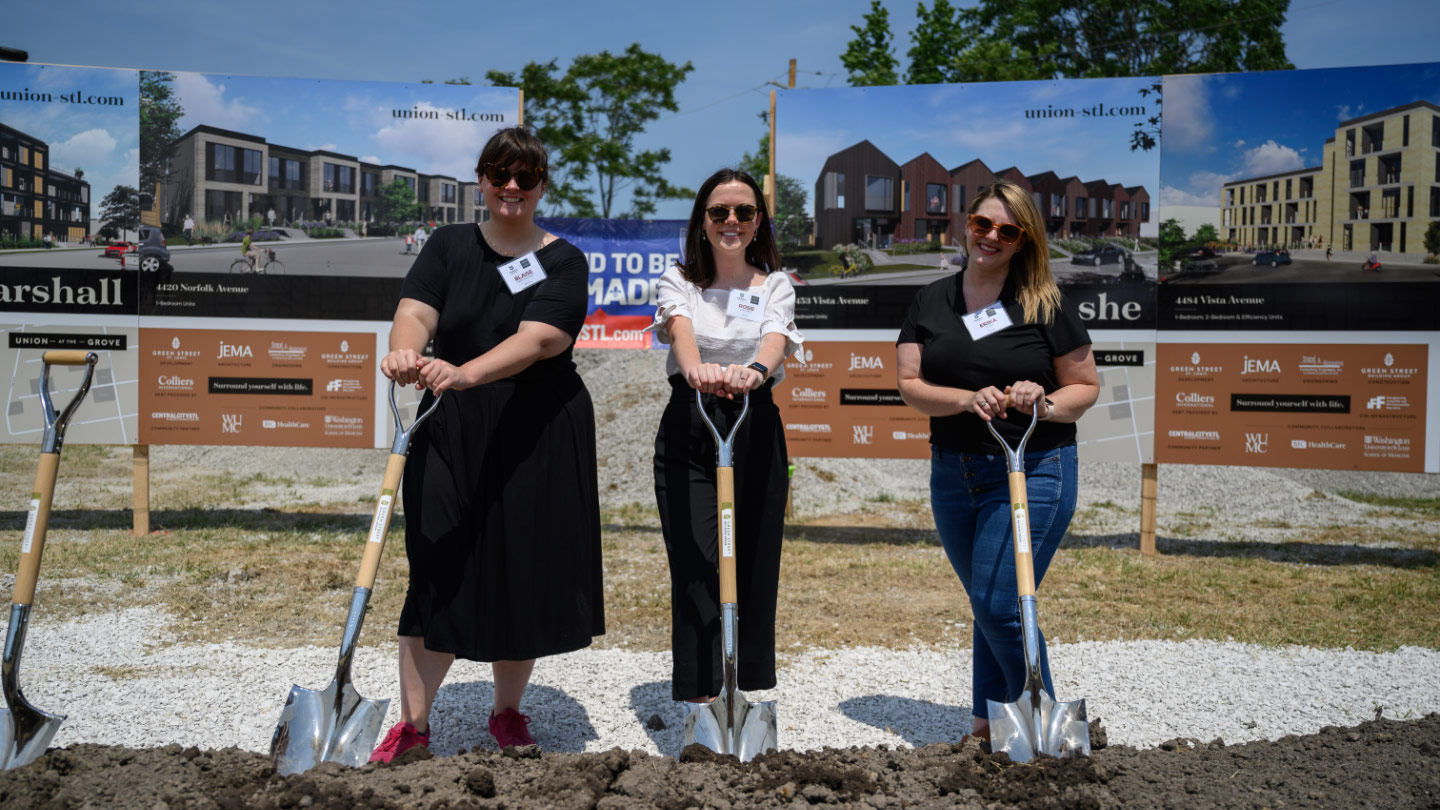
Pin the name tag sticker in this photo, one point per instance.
(746, 304)
(382, 517)
(986, 321)
(522, 273)
(1022, 530)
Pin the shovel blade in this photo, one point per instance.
(1022, 729)
(25, 733)
(334, 724)
(730, 724)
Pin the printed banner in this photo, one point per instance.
(627, 258)
(1326, 406)
(841, 402)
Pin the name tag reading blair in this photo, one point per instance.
(986, 321)
(747, 305)
(522, 273)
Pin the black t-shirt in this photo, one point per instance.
(456, 274)
(1023, 351)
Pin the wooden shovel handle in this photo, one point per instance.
(66, 357)
(1020, 523)
(380, 524)
(37, 523)
(725, 496)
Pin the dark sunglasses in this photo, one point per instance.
(744, 212)
(499, 176)
(1006, 234)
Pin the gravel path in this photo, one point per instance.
(121, 683)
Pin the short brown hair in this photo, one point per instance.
(513, 145)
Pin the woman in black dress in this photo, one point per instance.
(502, 507)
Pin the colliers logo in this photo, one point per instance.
(175, 353)
(1192, 399)
(344, 356)
(1195, 369)
(1389, 371)
(174, 382)
(807, 395)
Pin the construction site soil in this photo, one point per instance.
(1385, 763)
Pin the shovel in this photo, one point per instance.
(1034, 723)
(729, 724)
(25, 731)
(335, 724)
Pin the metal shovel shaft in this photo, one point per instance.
(336, 724)
(26, 731)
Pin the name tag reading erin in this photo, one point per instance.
(522, 273)
(986, 321)
(747, 305)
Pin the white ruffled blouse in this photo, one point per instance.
(721, 338)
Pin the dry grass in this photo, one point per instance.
(877, 578)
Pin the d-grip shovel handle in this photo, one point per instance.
(384, 507)
(1019, 505)
(37, 523)
(725, 495)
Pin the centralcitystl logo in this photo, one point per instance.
(342, 386)
(344, 356)
(1260, 365)
(175, 416)
(1387, 402)
(802, 427)
(860, 362)
(1196, 435)
(174, 353)
(1195, 369)
(230, 422)
(864, 434)
(1257, 443)
(282, 352)
(234, 351)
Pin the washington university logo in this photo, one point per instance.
(864, 434)
(1257, 442)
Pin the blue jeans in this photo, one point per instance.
(970, 498)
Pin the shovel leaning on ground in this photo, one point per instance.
(729, 724)
(1035, 723)
(25, 731)
(335, 724)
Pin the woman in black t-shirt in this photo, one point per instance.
(502, 508)
(991, 344)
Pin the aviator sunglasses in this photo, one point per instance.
(499, 176)
(744, 212)
(1006, 234)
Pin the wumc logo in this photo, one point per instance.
(1257, 443)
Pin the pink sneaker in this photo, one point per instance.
(509, 729)
(402, 738)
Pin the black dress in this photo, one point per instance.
(502, 506)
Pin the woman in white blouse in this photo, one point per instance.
(728, 314)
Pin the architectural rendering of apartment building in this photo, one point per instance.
(217, 174)
(1377, 189)
(862, 195)
(36, 199)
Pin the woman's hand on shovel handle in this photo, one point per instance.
(1024, 394)
(987, 403)
(402, 366)
(707, 378)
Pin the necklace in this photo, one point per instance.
(526, 246)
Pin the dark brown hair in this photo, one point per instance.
(513, 145)
(698, 268)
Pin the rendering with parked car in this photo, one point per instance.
(1104, 254)
(1274, 258)
(149, 247)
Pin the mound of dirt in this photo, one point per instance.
(1385, 763)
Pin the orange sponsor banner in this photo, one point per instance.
(257, 388)
(839, 400)
(1331, 406)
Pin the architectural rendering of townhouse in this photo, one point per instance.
(221, 175)
(36, 199)
(864, 196)
(1377, 189)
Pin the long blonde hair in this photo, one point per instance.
(1034, 285)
